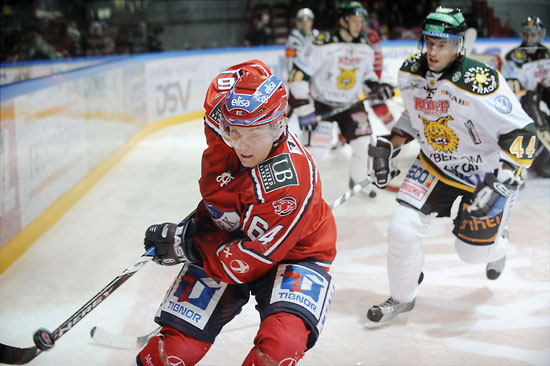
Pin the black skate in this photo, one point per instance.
(381, 314)
(494, 269)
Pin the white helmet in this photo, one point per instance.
(304, 13)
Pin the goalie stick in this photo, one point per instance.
(107, 338)
(45, 340)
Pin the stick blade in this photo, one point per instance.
(109, 339)
(17, 356)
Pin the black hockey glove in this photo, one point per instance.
(490, 195)
(379, 90)
(173, 243)
(381, 151)
(531, 104)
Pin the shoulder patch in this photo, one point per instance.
(277, 172)
(322, 38)
(475, 77)
(216, 112)
(412, 64)
(519, 56)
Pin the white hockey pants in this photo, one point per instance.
(406, 254)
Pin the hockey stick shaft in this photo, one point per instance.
(18, 356)
(330, 114)
(336, 111)
(344, 197)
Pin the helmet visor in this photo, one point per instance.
(239, 137)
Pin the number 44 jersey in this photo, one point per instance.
(466, 119)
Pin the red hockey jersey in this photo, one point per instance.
(253, 218)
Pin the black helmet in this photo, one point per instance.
(444, 23)
(532, 25)
(351, 8)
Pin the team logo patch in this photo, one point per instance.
(239, 266)
(302, 286)
(503, 104)
(456, 76)
(216, 113)
(277, 172)
(224, 178)
(292, 147)
(519, 56)
(226, 220)
(481, 80)
(439, 135)
(346, 79)
(193, 297)
(284, 206)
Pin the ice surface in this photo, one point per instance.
(460, 316)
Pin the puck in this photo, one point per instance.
(43, 339)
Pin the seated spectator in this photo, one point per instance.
(261, 31)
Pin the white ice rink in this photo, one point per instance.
(461, 318)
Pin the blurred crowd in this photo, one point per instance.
(34, 33)
(400, 19)
(42, 29)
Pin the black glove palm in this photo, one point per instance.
(379, 90)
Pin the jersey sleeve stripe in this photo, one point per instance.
(257, 185)
(255, 254)
(230, 274)
(247, 215)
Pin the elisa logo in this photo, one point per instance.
(240, 102)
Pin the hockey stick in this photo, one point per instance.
(330, 114)
(107, 338)
(470, 37)
(353, 190)
(45, 340)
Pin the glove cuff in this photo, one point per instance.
(184, 233)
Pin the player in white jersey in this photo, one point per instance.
(338, 70)
(527, 70)
(474, 141)
(300, 38)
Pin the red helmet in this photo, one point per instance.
(255, 101)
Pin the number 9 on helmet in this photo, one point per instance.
(254, 112)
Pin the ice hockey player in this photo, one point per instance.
(261, 229)
(300, 37)
(379, 106)
(338, 69)
(474, 141)
(527, 69)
